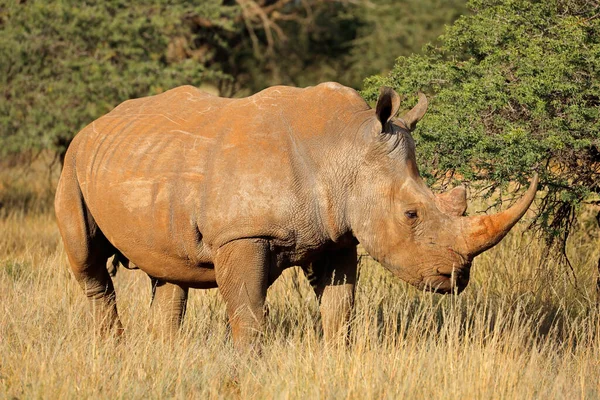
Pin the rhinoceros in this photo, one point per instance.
(200, 191)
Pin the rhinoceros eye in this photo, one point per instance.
(411, 214)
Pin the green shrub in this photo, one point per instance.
(514, 87)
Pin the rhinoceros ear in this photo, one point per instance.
(387, 105)
(411, 118)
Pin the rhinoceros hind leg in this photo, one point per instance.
(333, 278)
(99, 289)
(90, 272)
(242, 272)
(169, 302)
(88, 251)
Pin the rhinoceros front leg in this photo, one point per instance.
(242, 270)
(169, 302)
(333, 278)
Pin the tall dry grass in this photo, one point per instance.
(524, 328)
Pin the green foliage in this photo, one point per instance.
(64, 63)
(345, 41)
(514, 87)
(391, 29)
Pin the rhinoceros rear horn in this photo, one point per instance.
(485, 231)
(387, 105)
(453, 202)
(411, 118)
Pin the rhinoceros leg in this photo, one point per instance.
(333, 278)
(87, 250)
(242, 272)
(168, 306)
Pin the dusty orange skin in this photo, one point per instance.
(200, 191)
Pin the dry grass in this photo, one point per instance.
(522, 329)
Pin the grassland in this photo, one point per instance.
(524, 328)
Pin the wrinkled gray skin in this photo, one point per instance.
(200, 191)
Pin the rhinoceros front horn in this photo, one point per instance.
(485, 231)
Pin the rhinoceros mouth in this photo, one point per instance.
(446, 283)
(442, 284)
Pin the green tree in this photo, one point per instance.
(391, 29)
(344, 40)
(64, 63)
(514, 87)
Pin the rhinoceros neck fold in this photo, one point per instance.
(337, 162)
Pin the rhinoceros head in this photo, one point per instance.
(423, 238)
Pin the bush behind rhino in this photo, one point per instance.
(514, 87)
